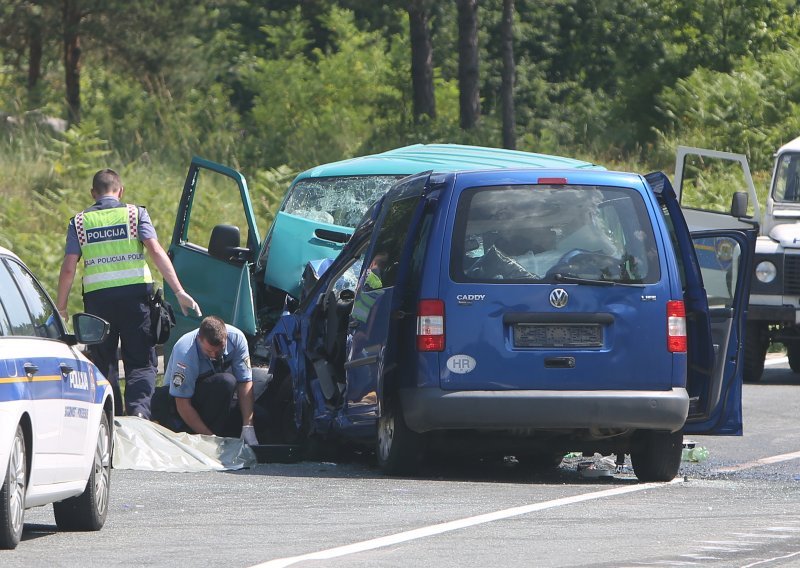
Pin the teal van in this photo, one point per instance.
(248, 281)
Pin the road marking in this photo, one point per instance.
(771, 560)
(449, 526)
(763, 461)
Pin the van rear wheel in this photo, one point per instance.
(398, 448)
(656, 456)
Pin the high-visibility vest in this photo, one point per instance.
(112, 253)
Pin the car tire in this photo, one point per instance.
(793, 354)
(656, 456)
(12, 493)
(398, 449)
(756, 343)
(87, 511)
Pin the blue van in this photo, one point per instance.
(234, 274)
(524, 312)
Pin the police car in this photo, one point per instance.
(56, 410)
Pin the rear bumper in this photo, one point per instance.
(434, 409)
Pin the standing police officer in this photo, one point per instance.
(117, 285)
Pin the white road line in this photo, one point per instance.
(762, 461)
(770, 560)
(432, 530)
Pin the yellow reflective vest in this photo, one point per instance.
(112, 253)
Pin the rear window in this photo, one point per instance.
(531, 233)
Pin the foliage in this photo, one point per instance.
(752, 109)
(274, 88)
(316, 108)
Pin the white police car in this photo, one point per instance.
(56, 410)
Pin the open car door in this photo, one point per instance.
(381, 297)
(716, 266)
(212, 260)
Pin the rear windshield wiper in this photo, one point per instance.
(578, 280)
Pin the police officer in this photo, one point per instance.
(205, 368)
(117, 285)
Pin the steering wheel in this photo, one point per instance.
(587, 264)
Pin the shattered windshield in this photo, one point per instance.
(787, 179)
(337, 200)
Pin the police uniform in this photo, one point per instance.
(117, 286)
(210, 383)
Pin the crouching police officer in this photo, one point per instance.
(117, 285)
(205, 368)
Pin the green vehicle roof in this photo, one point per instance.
(442, 158)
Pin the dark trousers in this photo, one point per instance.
(213, 400)
(129, 316)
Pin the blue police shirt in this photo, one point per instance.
(188, 361)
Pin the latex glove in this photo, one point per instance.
(187, 303)
(249, 436)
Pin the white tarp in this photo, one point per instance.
(147, 446)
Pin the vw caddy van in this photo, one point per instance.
(249, 281)
(524, 312)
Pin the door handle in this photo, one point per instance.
(65, 369)
(30, 369)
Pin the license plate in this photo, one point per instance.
(558, 335)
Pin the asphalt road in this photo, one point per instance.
(740, 507)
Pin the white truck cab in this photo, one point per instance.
(774, 312)
(774, 308)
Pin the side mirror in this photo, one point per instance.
(224, 244)
(89, 329)
(739, 204)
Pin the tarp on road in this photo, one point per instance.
(146, 446)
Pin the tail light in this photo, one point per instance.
(430, 325)
(676, 327)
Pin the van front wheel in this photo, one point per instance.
(398, 449)
(656, 456)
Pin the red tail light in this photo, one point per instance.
(430, 325)
(676, 327)
(552, 181)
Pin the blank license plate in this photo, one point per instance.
(558, 335)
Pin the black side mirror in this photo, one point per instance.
(739, 204)
(89, 329)
(224, 244)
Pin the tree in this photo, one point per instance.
(469, 96)
(421, 60)
(509, 72)
(72, 59)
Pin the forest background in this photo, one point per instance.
(275, 87)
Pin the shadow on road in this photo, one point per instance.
(363, 466)
(778, 375)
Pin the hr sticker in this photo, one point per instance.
(461, 364)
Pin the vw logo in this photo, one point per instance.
(559, 298)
